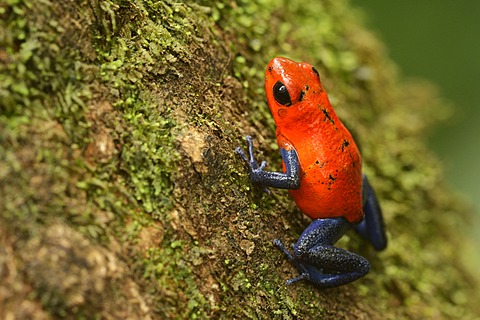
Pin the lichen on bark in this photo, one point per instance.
(120, 193)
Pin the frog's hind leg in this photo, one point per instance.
(319, 261)
(372, 227)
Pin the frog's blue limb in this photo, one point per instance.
(372, 227)
(290, 179)
(319, 261)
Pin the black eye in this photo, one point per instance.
(316, 71)
(281, 95)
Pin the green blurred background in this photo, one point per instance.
(440, 41)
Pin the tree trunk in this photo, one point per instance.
(122, 197)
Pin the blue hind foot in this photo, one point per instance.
(318, 261)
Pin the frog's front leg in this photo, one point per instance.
(319, 261)
(290, 179)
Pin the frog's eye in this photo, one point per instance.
(316, 72)
(281, 95)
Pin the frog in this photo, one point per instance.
(322, 170)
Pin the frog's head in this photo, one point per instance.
(294, 91)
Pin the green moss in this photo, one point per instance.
(167, 268)
(122, 151)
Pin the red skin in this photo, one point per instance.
(330, 162)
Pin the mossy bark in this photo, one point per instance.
(120, 193)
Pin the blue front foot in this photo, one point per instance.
(255, 170)
(252, 163)
(290, 179)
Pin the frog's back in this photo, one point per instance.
(330, 173)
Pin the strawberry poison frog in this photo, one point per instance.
(322, 168)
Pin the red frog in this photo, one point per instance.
(323, 172)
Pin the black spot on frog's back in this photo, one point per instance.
(327, 115)
(345, 144)
(301, 96)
